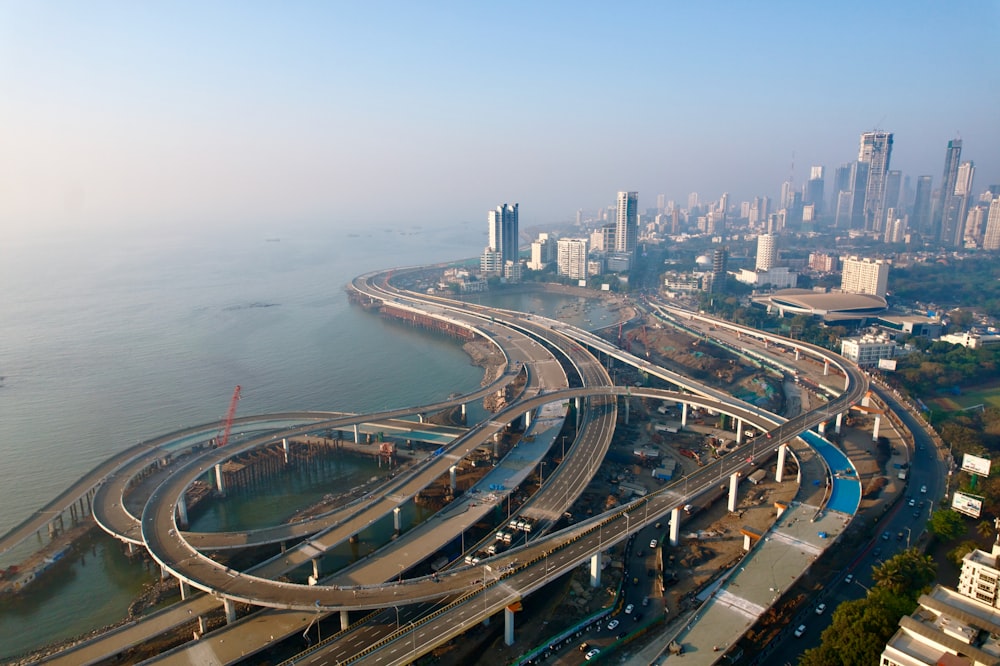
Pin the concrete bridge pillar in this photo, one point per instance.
(202, 625)
(230, 607)
(739, 431)
(284, 446)
(131, 548)
(675, 526)
(420, 417)
(164, 574)
(182, 512)
(878, 422)
(345, 620)
(798, 355)
(595, 570)
(840, 420)
(734, 484)
(508, 626)
(397, 518)
(220, 484)
(781, 463)
(527, 419)
(315, 563)
(866, 401)
(185, 590)
(357, 434)
(684, 414)
(627, 401)
(821, 427)
(826, 367)
(464, 411)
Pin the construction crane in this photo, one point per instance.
(228, 425)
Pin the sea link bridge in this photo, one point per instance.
(387, 616)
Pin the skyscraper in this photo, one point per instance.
(767, 252)
(813, 193)
(875, 151)
(627, 223)
(893, 187)
(991, 239)
(864, 276)
(922, 206)
(503, 232)
(944, 227)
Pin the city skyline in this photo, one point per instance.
(163, 117)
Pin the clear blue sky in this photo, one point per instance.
(148, 114)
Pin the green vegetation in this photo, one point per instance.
(946, 524)
(942, 364)
(970, 283)
(860, 629)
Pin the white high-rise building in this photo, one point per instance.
(767, 252)
(864, 276)
(627, 223)
(991, 238)
(571, 257)
(875, 151)
(503, 232)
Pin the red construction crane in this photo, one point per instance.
(229, 417)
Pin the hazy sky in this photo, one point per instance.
(150, 114)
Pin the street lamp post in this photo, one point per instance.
(401, 573)
(397, 617)
(907, 537)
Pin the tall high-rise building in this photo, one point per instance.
(767, 252)
(893, 188)
(813, 193)
(875, 151)
(692, 201)
(661, 202)
(503, 232)
(859, 187)
(944, 226)
(991, 238)
(956, 206)
(627, 222)
(571, 257)
(864, 276)
(717, 283)
(921, 218)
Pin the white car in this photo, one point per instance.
(590, 655)
(820, 609)
(652, 543)
(923, 489)
(612, 625)
(629, 609)
(801, 630)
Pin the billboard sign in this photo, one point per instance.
(975, 465)
(970, 505)
(887, 364)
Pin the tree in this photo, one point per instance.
(985, 529)
(946, 524)
(958, 553)
(905, 574)
(859, 630)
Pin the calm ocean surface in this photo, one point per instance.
(105, 341)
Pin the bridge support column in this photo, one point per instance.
(185, 590)
(684, 414)
(397, 518)
(164, 574)
(284, 446)
(421, 417)
(182, 512)
(220, 485)
(739, 431)
(781, 463)
(527, 419)
(230, 607)
(840, 420)
(866, 401)
(798, 355)
(595, 570)
(131, 548)
(627, 402)
(878, 422)
(508, 626)
(464, 412)
(821, 427)
(453, 471)
(202, 625)
(675, 526)
(315, 563)
(357, 434)
(826, 367)
(345, 620)
(734, 484)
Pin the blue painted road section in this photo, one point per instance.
(846, 493)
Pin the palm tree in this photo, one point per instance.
(909, 572)
(985, 529)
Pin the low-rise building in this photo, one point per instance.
(868, 349)
(971, 340)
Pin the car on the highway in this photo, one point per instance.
(645, 601)
(801, 630)
(652, 543)
(820, 609)
(885, 536)
(923, 489)
(849, 578)
(612, 625)
(593, 653)
(629, 609)
(912, 502)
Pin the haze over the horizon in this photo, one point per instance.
(287, 115)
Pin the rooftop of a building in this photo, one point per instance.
(830, 304)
